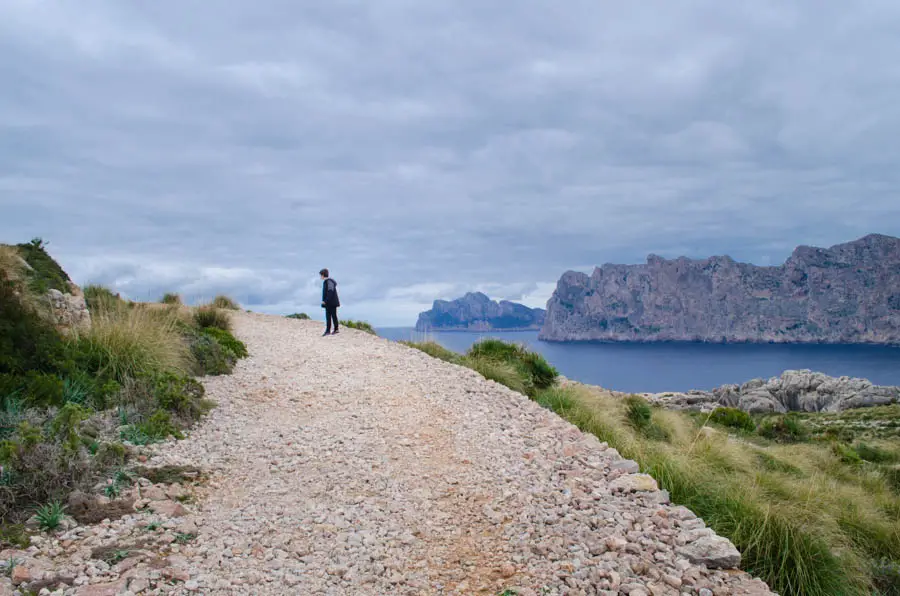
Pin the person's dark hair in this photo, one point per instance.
(324, 272)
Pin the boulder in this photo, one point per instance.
(713, 551)
(70, 312)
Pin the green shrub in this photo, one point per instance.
(497, 371)
(638, 413)
(557, 399)
(436, 350)
(211, 317)
(181, 395)
(46, 273)
(170, 298)
(225, 302)
(44, 389)
(64, 426)
(886, 577)
(27, 340)
(159, 426)
(534, 371)
(733, 418)
(101, 299)
(50, 516)
(110, 455)
(785, 429)
(542, 374)
(212, 359)
(135, 435)
(874, 454)
(846, 453)
(359, 325)
(496, 350)
(37, 470)
(299, 315)
(229, 342)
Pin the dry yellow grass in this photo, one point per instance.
(130, 342)
(805, 520)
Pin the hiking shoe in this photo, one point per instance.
(335, 332)
(325, 334)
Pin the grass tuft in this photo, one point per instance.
(210, 316)
(128, 344)
(436, 350)
(225, 302)
(360, 326)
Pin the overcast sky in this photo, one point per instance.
(421, 149)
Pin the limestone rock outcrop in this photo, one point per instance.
(849, 293)
(793, 391)
(69, 310)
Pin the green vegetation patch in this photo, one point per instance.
(359, 325)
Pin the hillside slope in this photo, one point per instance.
(354, 465)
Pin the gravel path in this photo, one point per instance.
(354, 465)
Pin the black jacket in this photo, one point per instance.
(329, 293)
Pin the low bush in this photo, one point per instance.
(225, 302)
(46, 274)
(533, 370)
(497, 371)
(100, 300)
(733, 418)
(210, 316)
(359, 325)
(846, 453)
(876, 455)
(436, 350)
(299, 315)
(786, 428)
(230, 343)
(639, 415)
(210, 357)
(170, 298)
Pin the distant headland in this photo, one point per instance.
(846, 294)
(477, 312)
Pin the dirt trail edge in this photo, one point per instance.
(355, 465)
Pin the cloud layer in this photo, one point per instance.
(421, 150)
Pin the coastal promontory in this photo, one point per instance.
(477, 312)
(849, 293)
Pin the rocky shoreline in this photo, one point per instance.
(792, 391)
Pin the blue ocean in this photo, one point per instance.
(657, 367)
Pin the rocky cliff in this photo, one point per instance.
(793, 391)
(477, 312)
(849, 293)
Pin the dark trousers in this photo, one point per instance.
(331, 316)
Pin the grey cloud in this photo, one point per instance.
(438, 147)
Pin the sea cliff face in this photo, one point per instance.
(476, 312)
(849, 293)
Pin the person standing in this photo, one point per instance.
(330, 302)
